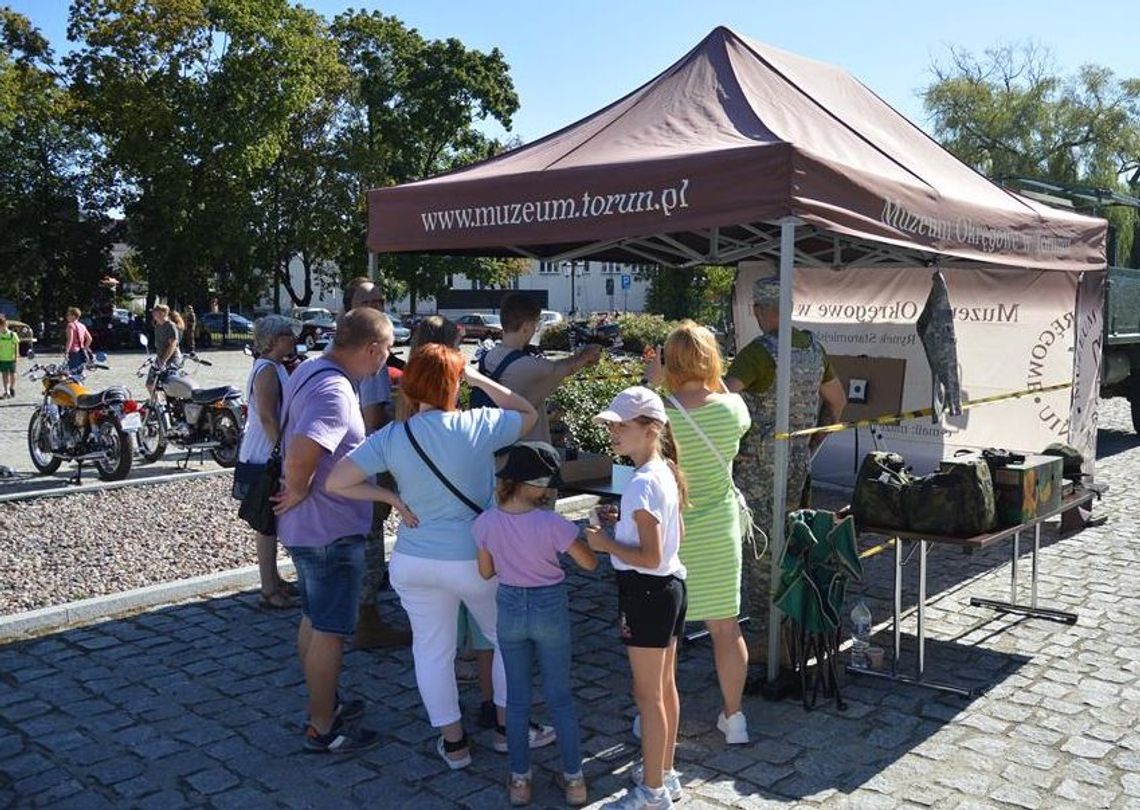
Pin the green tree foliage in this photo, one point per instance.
(53, 246)
(703, 294)
(193, 102)
(411, 113)
(1009, 114)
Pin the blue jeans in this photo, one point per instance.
(535, 622)
(329, 579)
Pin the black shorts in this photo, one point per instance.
(245, 473)
(651, 609)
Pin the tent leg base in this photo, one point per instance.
(1062, 616)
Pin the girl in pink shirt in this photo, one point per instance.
(521, 542)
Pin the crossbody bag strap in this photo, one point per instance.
(285, 406)
(470, 504)
(704, 436)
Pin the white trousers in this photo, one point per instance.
(431, 591)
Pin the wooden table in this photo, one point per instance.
(980, 541)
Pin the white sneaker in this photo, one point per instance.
(671, 782)
(734, 728)
(641, 798)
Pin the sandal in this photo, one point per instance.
(276, 600)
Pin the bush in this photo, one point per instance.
(555, 337)
(581, 397)
(639, 331)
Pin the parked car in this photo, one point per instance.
(549, 317)
(25, 334)
(479, 326)
(317, 315)
(401, 334)
(210, 325)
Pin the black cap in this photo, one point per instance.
(534, 463)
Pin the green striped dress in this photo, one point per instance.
(711, 547)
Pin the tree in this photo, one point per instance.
(702, 294)
(53, 245)
(193, 101)
(411, 113)
(1009, 114)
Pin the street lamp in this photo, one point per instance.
(573, 265)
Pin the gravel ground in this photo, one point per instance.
(58, 550)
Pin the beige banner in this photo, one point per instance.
(1015, 331)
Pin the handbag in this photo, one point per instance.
(470, 504)
(748, 527)
(256, 507)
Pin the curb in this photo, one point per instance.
(106, 486)
(21, 626)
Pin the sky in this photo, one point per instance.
(570, 58)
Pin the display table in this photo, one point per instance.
(1078, 498)
(610, 487)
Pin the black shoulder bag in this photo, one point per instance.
(470, 504)
(256, 507)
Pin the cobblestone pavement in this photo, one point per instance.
(199, 704)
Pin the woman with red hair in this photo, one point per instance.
(443, 462)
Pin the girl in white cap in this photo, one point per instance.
(643, 550)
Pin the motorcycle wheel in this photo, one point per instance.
(39, 444)
(152, 436)
(228, 433)
(116, 465)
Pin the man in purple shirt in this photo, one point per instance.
(325, 533)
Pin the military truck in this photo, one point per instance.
(1120, 365)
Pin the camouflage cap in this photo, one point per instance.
(766, 291)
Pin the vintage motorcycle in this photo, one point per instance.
(178, 411)
(75, 424)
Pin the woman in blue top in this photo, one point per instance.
(433, 567)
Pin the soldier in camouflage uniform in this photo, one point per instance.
(816, 398)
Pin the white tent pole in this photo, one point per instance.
(373, 265)
(780, 457)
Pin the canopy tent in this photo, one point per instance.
(737, 151)
(698, 164)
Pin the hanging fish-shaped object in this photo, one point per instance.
(935, 329)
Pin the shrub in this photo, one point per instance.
(555, 337)
(586, 394)
(639, 331)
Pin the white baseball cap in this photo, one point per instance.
(634, 402)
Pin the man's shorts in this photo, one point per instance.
(7, 366)
(651, 609)
(329, 580)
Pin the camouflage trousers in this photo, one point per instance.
(753, 474)
(375, 564)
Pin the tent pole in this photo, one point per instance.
(780, 456)
(373, 265)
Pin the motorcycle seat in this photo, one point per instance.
(88, 402)
(204, 396)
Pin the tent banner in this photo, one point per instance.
(1015, 331)
(1087, 366)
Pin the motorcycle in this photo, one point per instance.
(75, 424)
(178, 411)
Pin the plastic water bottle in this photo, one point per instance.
(860, 635)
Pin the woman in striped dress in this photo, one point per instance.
(704, 413)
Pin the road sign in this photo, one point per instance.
(626, 281)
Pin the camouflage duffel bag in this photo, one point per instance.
(957, 500)
(877, 500)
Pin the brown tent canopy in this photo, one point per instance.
(700, 164)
